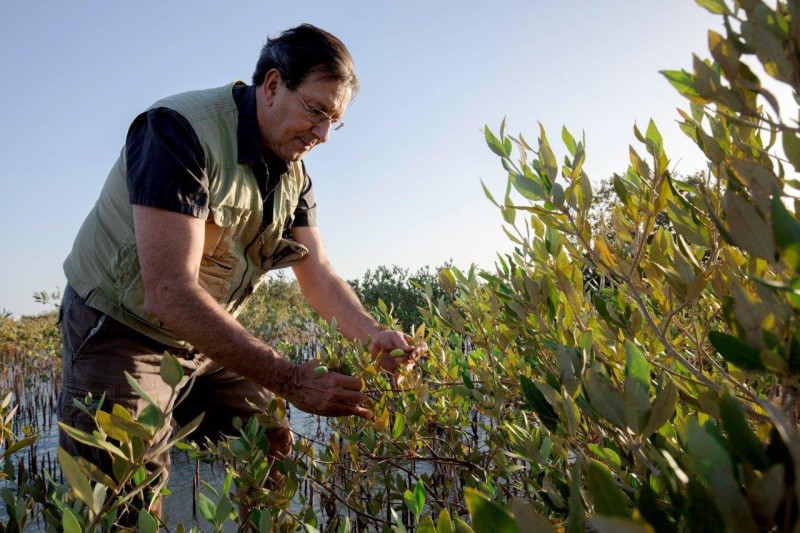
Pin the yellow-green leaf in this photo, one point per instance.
(76, 478)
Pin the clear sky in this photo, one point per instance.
(400, 184)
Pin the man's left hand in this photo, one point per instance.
(385, 341)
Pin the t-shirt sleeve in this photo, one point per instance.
(166, 164)
(305, 215)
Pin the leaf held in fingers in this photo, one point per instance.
(320, 370)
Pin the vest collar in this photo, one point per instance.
(248, 136)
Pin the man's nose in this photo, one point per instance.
(322, 130)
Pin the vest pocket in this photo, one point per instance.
(288, 252)
(222, 250)
(215, 277)
(223, 229)
(128, 284)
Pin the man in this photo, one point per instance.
(209, 193)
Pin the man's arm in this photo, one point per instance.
(332, 297)
(170, 247)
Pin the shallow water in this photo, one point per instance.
(178, 507)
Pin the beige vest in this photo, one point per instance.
(103, 266)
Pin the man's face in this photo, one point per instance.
(286, 127)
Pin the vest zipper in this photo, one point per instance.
(260, 240)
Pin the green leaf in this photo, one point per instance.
(735, 351)
(716, 7)
(487, 515)
(712, 461)
(702, 512)
(462, 527)
(207, 507)
(558, 194)
(653, 136)
(344, 525)
(786, 231)
(682, 81)
(707, 455)
(791, 148)
(489, 194)
(607, 498)
(546, 156)
(140, 475)
(577, 513)
(171, 370)
(71, 522)
(94, 473)
(760, 180)
(76, 478)
(122, 429)
(224, 509)
(443, 523)
(91, 440)
(748, 229)
(769, 50)
(636, 366)
(187, 429)
(527, 519)
(411, 502)
(607, 455)
(399, 425)
(605, 398)
(20, 444)
(637, 386)
(741, 438)
(724, 53)
(265, 521)
(569, 140)
(528, 188)
(151, 416)
(426, 525)
(139, 390)
(147, 522)
(494, 143)
(419, 496)
(663, 409)
(536, 401)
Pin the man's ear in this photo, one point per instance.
(271, 82)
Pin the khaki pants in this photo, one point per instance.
(97, 351)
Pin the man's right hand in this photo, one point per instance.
(326, 394)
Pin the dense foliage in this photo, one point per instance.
(279, 315)
(633, 373)
(400, 289)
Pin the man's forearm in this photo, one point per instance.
(196, 317)
(331, 296)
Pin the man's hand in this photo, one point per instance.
(325, 393)
(387, 341)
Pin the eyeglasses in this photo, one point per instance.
(317, 115)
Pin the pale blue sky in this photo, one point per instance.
(400, 183)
